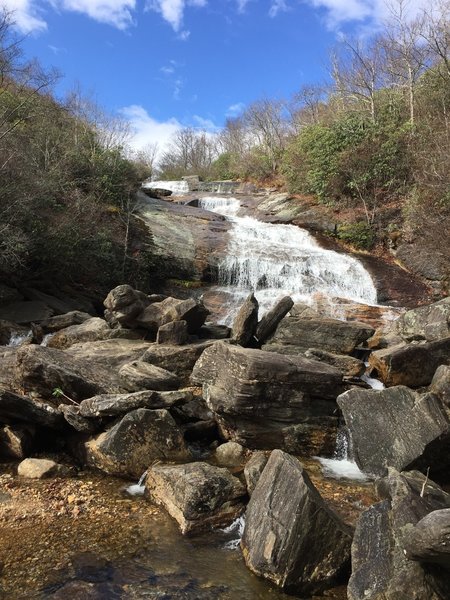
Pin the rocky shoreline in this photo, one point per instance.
(217, 417)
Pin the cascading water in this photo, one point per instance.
(278, 260)
(342, 465)
(176, 187)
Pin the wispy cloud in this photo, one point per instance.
(25, 15)
(205, 124)
(235, 109)
(172, 11)
(147, 130)
(242, 5)
(118, 13)
(278, 6)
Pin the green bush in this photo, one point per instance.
(359, 234)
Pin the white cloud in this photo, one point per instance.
(172, 11)
(278, 6)
(206, 124)
(242, 4)
(118, 13)
(235, 109)
(24, 15)
(147, 130)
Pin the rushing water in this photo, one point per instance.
(342, 464)
(176, 187)
(277, 260)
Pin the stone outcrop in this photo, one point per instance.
(174, 333)
(193, 312)
(291, 536)
(348, 365)
(74, 317)
(123, 304)
(412, 365)
(380, 567)
(266, 400)
(91, 330)
(302, 330)
(246, 321)
(139, 375)
(178, 359)
(140, 438)
(398, 428)
(430, 322)
(197, 495)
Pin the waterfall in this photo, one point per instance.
(278, 260)
(342, 464)
(176, 187)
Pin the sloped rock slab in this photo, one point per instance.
(269, 322)
(176, 359)
(15, 408)
(291, 537)
(380, 567)
(139, 375)
(246, 321)
(264, 400)
(430, 323)
(197, 495)
(136, 441)
(113, 405)
(396, 427)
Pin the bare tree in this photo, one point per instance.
(436, 33)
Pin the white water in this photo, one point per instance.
(137, 489)
(17, 339)
(278, 260)
(176, 187)
(236, 529)
(341, 466)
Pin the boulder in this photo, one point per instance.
(174, 333)
(211, 331)
(178, 359)
(430, 323)
(20, 408)
(138, 375)
(230, 454)
(108, 354)
(253, 469)
(136, 441)
(396, 427)
(113, 405)
(73, 417)
(380, 568)
(33, 311)
(429, 540)
(348, 365)
(91, 330)
(291, 536)
(74, 317)
(16, 441)
(440, 384)
(41, 370)
(296, 334)
(171, 309)
(246, 321)
(269, 322)
(412, 365)
(123, 304)
(41, 468)
(264, 400)
(197, 495)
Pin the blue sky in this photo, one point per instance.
(168, 63)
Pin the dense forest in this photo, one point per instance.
(67, 183)
(373, 143)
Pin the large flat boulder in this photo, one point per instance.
(266, 400)
(74, 317)
(291, 536)
(135, 442)
(197, 495)
(91, 330)
(396, 427)
(139, 375)
(380, 567)
(172, 309)
(108, 354)
(413, 365)
(301, 330)
(41, 370)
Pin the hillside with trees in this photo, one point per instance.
(67, 184)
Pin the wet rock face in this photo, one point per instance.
(291, 537)
(413, 365)
(140, 438)
(396, 428)
(197, 495)
(300, 331)
(380, 567)
(266, 400)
